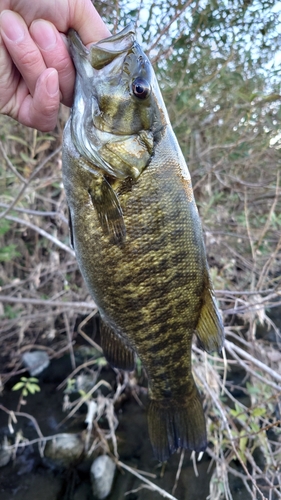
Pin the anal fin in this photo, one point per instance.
(117, 353)
(209, 329)
(108, 209)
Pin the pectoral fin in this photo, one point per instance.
(128, 155)
(108, 209)
(209, 329)
(117, 353)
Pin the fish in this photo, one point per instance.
(137, 235)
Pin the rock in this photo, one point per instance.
(65, 449)
(5, 453)
(102, 474)
(35, 362)
(85, 382)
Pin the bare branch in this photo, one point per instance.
(53, 239)
(52, 303)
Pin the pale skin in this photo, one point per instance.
(36, 71)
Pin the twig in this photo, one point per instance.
(255, 374)
(229, 432)
(224, 370)
(165, 29)
(84, 335)
(52, 303)
(37, 213)
(164, 493)
(266, 267)
(232, 347)
(271, 212)
(264, 476)
(53, 239)
(11, 166)
(252, 246)
(26, 183)
(230, 469)
(26, 415)
(252, 307)
(179, 470)
(72, 374)
(230, 293)
(70, 341)
(84, 398)
(249, 370)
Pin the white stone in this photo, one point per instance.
(5, 453)
(65, 449)
(102, 475)
(35, 362)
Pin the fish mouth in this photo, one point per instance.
(102, 53)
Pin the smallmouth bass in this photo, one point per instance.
(137, 234)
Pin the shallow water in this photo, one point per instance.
(31, 477)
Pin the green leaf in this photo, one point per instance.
(8, 253)
(32, 388)
(258, 412)
(19, 140)
(243, 443)
(18, 386)
(255, 427)
(101, 361)
(4, 226)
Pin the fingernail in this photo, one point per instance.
(12, 26)
(52, 83)
(43, 34)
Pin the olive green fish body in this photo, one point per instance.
(138, 241)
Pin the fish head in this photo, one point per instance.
(116, 88)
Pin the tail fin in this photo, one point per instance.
(176, 424)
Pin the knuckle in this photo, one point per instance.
(29, 59)
(63, 63)
(50, 110)
(47, 117)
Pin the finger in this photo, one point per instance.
(41, 110)
(78, 14)
(9, 78)
(55, 54)
(22, 49)
(85, 19)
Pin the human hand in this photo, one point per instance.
(36, 71)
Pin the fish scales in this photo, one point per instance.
(143, 259)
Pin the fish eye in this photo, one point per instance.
(141, 88)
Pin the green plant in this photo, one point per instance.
(27, 386)
(8, 253)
